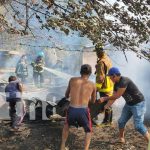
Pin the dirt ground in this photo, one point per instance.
(46, 135)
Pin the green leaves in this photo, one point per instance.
(125, 23)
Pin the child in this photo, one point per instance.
(13, 95)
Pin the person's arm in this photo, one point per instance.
(68, 90)
(93, 95)
(20, 87)
(113, 98)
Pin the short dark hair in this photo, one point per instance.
(86, 69)
(12, 78)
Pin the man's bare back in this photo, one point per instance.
(81, 90)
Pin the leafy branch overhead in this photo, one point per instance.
(125, 24)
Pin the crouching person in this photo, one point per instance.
(16, 105)
(80, 90)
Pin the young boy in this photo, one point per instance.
(13, 95)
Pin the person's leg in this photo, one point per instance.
(23, 79)
(138, 111)
(12, 108)
(12, 113)
(107, 113)
(87, 140)
(65, 133)
(107, 116)
(121, 135)
(111, 115)
(125, 116)
(147, 136)
(41, 79)
(35, 77)
(84, 120)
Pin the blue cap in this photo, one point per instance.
(41, 54)
(113, 71)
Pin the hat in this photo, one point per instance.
(99, 47)
(113, 71)
(41, 54)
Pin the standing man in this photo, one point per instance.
(103, 84)
(80, 90)
(135, 103)
(38, 70)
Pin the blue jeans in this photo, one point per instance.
(137, 111)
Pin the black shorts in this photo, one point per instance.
(79, 117)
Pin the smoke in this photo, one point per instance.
(62, 64)
(51, 57)
(67, 64)
(58, 73)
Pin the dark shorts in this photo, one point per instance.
(79, 117)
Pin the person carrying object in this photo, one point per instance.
(103, 84)
(134, 106)
(80, 90)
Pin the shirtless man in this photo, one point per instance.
(81, 91)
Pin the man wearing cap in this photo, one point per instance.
(81, 91)
(103, 84)
(134, 106)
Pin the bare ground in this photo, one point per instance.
(46, 135)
